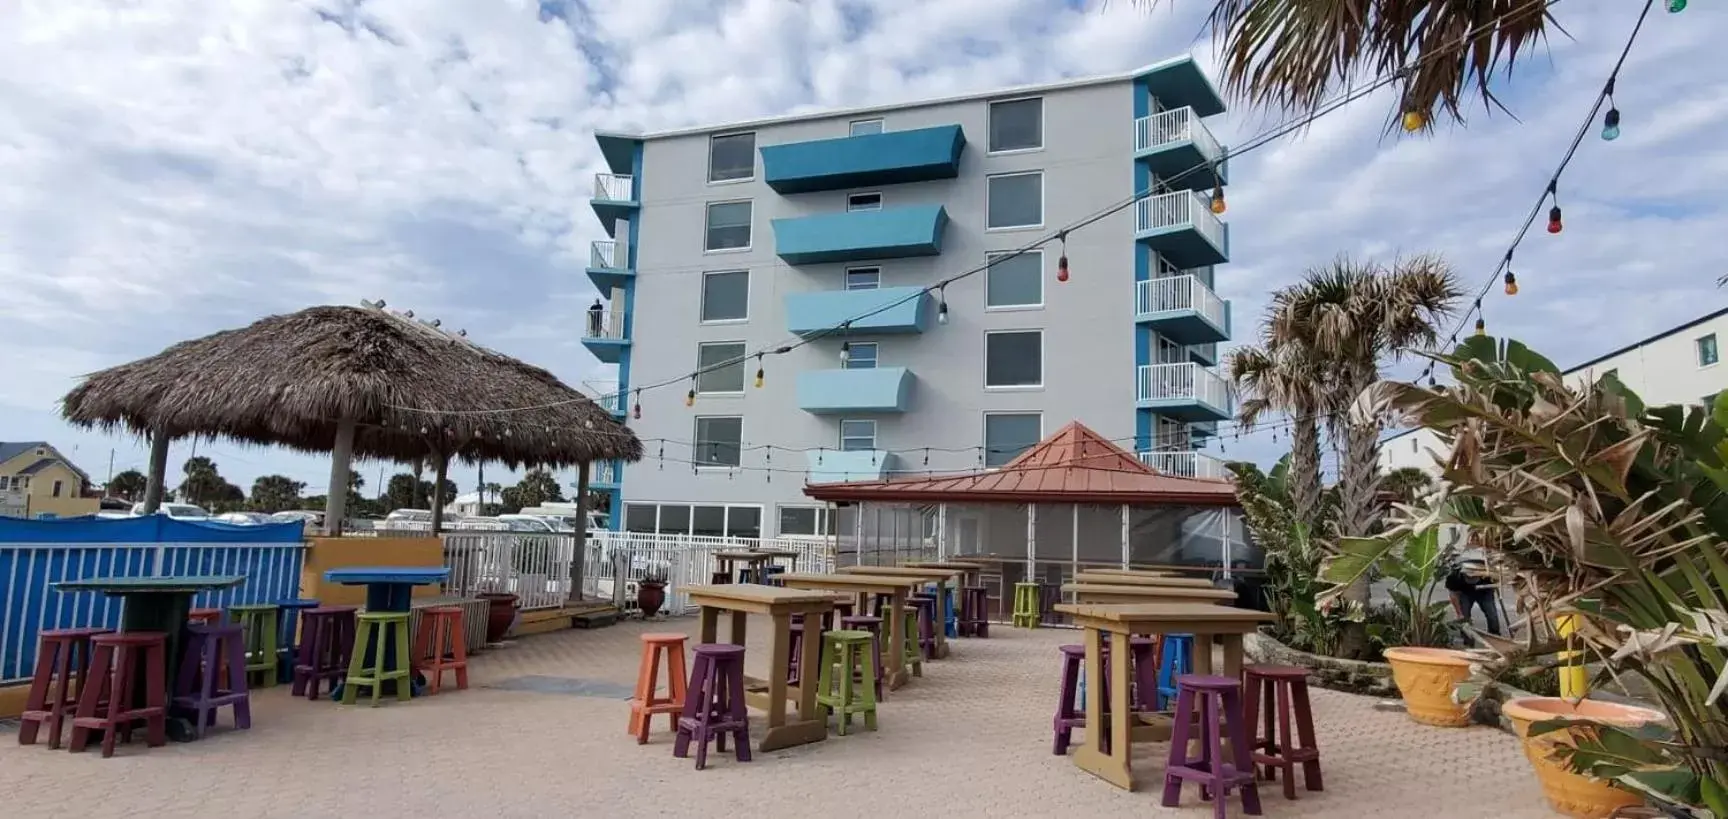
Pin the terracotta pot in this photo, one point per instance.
(1567, 792)
(1426, 678)
(500, 615)
(650, 597)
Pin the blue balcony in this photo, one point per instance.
(1202, 431)
(608, 341)
(834, 466)
(1186, 392)
(855, 236)
(615, 199)
(1182, 228)
(902, 310)
(880, 389)
(609, 264)
(1182, 309)
(605, 475)
(1179, 82)
(1180, 150)
(888, 158)
(1206, 355)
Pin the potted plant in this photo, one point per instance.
(651, 591)
(500, 614)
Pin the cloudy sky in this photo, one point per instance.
(169, 168)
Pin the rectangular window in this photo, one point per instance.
(58, 487)
(1016, 201)
(731, 157)
(1014, 358)
(863, 278)
(743, 521)
(857, 436)
(639, 517)
(801, 521)
(726, 296)
(864, 127)
(719, 442)
(1016, 125)
(708, 521)
(1007, 434)
(674, 519)
(727, 360)
(728, 226)
(1014, 280)
(1707, 353)
(860, 355)
(864, 201)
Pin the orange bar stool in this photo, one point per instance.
(62, 670)
(441, 628)
(647, 703)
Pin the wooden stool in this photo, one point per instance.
(974, 611)
(717, 707)
(259, 623)
(1071, 708)
(212, 675)
(843, 664)
(926, 605)
(108, 705)
(288, 635)
(911, 656)
(1282, 689)
(874, 626)
(1214, 704)
(1025, 605)
(645, 704)
(441, 626)
(377, 628)
(62, 668)
(204, 617)
(1175, 658)
(326, 648)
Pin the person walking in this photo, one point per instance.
(595, 311)
(1471, 586)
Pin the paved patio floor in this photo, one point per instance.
(541, 734)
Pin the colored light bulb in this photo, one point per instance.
(1511, 284)
(1218, 205)
(636, 411)
(1554, 225)
(1414, 120)
(1481, 327)
(1676, 6)
(759, 377)
(1062, 269)
(942, 312)
(1611, 125)
(690, 398)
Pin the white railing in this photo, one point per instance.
(605, 394)
(1184, 382)
(1178, 293)
(606, 324)
(1184, 464)
(1176, 125)
(603, 472)
(1176, 210)
(614, 187)
(608, 254)
(535, 568)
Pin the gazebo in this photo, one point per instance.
(1073, 501)
(354, 382)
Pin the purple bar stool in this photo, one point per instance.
(714, 704)
(1145, 654)
(792, 664)
(1220, 710)
(1070, 709)
(326, 645)
(874, 626)
(926, 604)
(212, 653)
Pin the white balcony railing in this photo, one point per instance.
(1184, 464)
(1182, 382)
(606, 395)
(1177, 210)
(603, 472)
(608, 253)
(1176, 125)
(614, 187)
(605, 325)
(1178, 293)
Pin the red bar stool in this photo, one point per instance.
(116, 662)
(647, 703)
(62, 669)
(1281, 690)
(204, 617)
(441, 626)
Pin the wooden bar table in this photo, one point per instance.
(771, 694)
(1211, 625)
(1105, 594)
(864, 585)
(941, 577)
(1132, 572)
(1107, 579)
(971, 573)
(753, 561)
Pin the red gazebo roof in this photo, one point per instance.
(1075, 465)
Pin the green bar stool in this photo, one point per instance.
(370, 665)
(911, 652)
(847, 685)
(260, 626)
(1026, 612)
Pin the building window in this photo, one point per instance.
(726, 358)
(728, 226)
(58, 487)
(732, 157)
(864, 201)
(1014, 358)
(864, 127)
(860, 355)
(1014, 280)
(805, 521)
(719, 441)
(1016, 125)
(1007, 434)
(863, 278)
(1016, 201)
(1707, 353)
(678, 519)
(857, 436)
(726, 296)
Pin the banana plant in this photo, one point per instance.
(1413, 559)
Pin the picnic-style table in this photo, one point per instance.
(1210, 625)
(864, 586)
(771, 694)
(388, 589)
(156, 604)
(940, 577)
(1104, 593)
(1112, 579)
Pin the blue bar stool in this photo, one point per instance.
(287, 635)
(1175, 658)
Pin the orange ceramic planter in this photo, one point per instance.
(1567, 792)
(1426, 678)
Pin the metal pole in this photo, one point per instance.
(941, 531)
(1126, 528)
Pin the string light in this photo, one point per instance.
(1611, 120)
(760, 374)
(1511, 284)
(1481, 326)
(690, 397)
(1554, 225)
(1414, 120)
(942, 304)
(1218, 204)
(845, 351)
(1676, 6)
(637, 409)
(1062, 262)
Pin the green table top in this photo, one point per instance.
(158, 585)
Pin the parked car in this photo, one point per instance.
(546, 524)
(309, 517)
(243, 518)
(177, 511)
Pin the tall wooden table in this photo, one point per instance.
(864, 585)
(1210, 625)
(771, 694)
(971, 573)
(1112, 579)
(754, 561)
(1101, 593)
(941, 577)
(1133, 572)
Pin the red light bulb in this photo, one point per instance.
(1554, 225)
(636, 411)
(1062, 269)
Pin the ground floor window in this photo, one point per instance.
(706, 520)
(805, 521)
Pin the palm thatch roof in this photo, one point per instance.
(288, 380)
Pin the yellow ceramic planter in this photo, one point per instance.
(1570, 793)
(1426, 678)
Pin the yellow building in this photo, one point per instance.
(36, 480)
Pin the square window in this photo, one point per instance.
(864, 201)
(1707, 353)
(744, 521)
(1014, 280)
(728, 226)
(860, 355)
(719, 442)
(799, 520)
(1014, 358)
(727, 360)
(1016, 125)
(857, 436)
(674, 518)
(863, 278)
(1007, 434)
(708, 521)
(639, 517)
(864, 127)
(726, 296)
(1016, 201)
(731, 157)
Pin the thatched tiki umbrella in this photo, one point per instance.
(352, 381)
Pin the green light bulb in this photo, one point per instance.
(1676, 6)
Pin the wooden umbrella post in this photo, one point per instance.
(439, 472)
(341, 463)
(158, 470)
(578, 565)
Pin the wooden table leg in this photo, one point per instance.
(942, 618)
(710, 624)
(1203, 653)
(895, 662)
(1232, 655)
(1111, 767)
(809, 726)
(740, 624)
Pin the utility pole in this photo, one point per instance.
(106, 493)
(482, 487)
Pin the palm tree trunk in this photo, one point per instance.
(1305, 470)
(1360, 509)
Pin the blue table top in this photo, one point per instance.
(410, 575)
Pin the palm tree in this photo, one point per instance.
(1407, 484)
(1281, 377)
